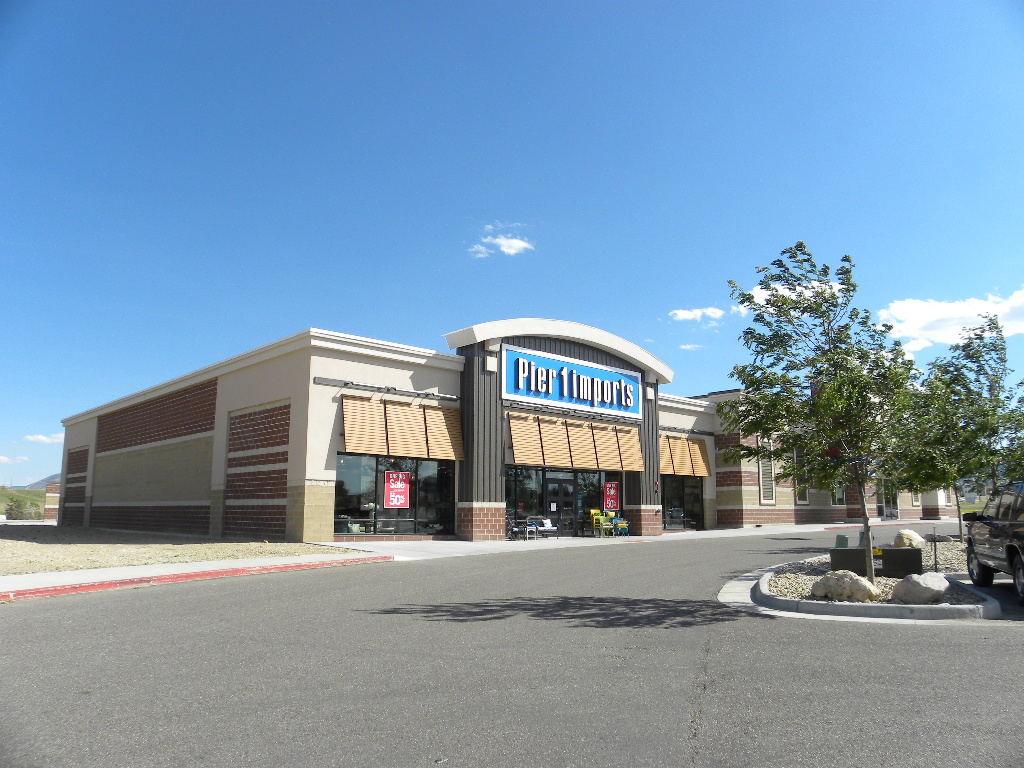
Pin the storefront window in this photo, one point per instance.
(359, 496)
(682, 501)
(564, 496)
(522, 491)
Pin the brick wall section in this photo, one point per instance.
(736, 478)
(265, 484)
(928, 513)
(265, 521)
(53, 488)
(277, 457)
(194, 520)
(643, 521)
(78, 462)
(75, 494)
(189, 411)
(480, 523)
(259, 429)
(74, 516)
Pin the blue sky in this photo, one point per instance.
(184, 181)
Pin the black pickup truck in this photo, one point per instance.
(995, 538)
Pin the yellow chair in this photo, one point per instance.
(607, 526)
(595, 522)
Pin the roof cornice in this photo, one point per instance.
(562, 329)
(310, 338)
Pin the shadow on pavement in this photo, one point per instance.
(587, 612)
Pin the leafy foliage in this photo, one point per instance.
(968, 419)
(19, 509)
(825, 381)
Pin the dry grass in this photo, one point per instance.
(46, 548)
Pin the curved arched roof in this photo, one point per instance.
(562, 329)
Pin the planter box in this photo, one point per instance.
(897, 562)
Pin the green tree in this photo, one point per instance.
(19, 509)
(968, 417)
(825, 383)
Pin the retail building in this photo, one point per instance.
(325, 436)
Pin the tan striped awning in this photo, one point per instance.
(444, 433)
(407, 430)
(699, 458)
(666, 456)
(365, 428)
(581, 444)
(607, 447)
(401, 429)
(684, 456)
(629, 448)
(554, 442)
(525, 439)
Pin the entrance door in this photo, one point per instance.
(560, 501)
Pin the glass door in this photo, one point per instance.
(560, 501)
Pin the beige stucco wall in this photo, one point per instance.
(80, 435)
(268, 382)
(323, 433)
(681, 413)
(175, 471)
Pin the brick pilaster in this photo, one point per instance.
(480, 521)
(643, 519)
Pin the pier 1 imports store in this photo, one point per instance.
(324, 435)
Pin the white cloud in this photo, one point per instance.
(735, 309)
(696, 314)
(15, 460)
(57, 437)
(689, 347)
(927, 322)
(480, 251)
(510, 246)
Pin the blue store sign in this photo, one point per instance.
(534, 377)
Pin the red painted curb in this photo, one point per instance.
(173, 578)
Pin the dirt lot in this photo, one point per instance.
(45, 548)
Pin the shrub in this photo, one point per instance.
(19, 509)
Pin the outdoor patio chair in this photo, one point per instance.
(620, 526)
(542, 526)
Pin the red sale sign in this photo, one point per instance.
(611, 497)
(396, 490)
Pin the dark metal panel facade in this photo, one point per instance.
(483, 430)
(483, 475)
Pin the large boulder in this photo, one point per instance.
(846, 586)
(920, 589)
(907, 538)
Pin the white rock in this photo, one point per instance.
(846, 586)
(920, 589)
(908, 538)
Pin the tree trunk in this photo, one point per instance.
(869, 557)
(959, 512)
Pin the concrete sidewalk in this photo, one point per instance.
(96, 579)
(425, 550)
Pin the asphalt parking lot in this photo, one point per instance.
(596, 656)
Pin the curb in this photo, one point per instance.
(990, 609)
(173, 578)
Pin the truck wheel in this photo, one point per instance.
(1018, 577)
(980, 573)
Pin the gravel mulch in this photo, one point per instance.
(46, 548)
(794, 580)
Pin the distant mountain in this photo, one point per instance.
(40, 485)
